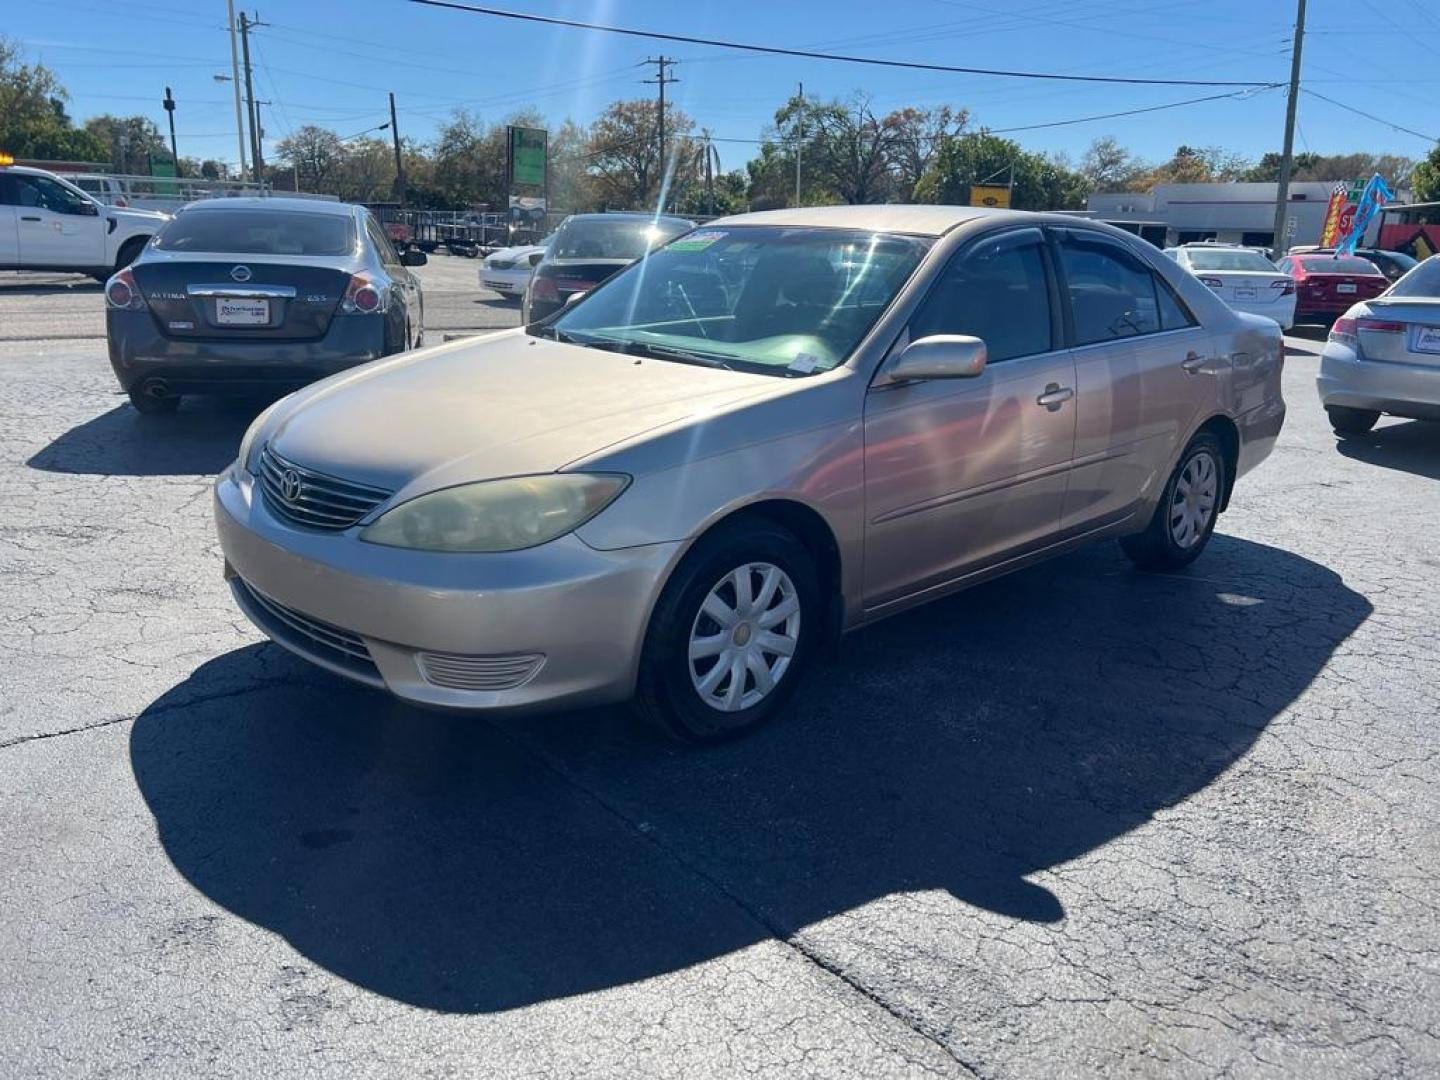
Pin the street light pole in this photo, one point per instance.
(1282, 189)
(399, 164)
(169, 104)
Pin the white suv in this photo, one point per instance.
(47, 223)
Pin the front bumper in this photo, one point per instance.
(140, 353)
(1408, 390)
(561, 624)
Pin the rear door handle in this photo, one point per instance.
(1193, 362)
(1054, 396)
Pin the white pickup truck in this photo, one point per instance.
(47, 223)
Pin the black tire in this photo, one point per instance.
(129, 251)
(1347, 421)
(666, 696)
(149, 405)
(1158, 548)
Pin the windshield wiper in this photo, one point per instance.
(684, 356)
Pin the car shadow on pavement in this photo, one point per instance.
(203, 437)
(1413, 447)
(472, 865)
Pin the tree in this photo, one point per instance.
(846, 148)
(1193, 165)
(33, 121)
(314, 153)
(916, 135)
(624, 156)
(980, 157)
(1425, 180)
(1355, 166)
(1108, 166)
(130, 141)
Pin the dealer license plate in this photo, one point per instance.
(1244, 292)
(1345, 288)
(1426, 339)
(242, 312)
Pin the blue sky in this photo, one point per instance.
(332, 61)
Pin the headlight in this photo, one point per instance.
(247, 441)
(497, 515)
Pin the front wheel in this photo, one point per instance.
(731, 635)
(1189, 506)
(1347, 421)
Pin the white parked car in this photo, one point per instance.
(508, 270)
(47, 223)
(1383, 355)
(1243, 278)
(105, 189)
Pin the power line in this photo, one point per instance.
(575, 24)
(1372, 116)
(1240, 96)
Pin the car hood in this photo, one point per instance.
(505, 405)
(127, 216)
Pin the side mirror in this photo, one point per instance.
(87, 209)
(940, 356)
(535, 259)
(574, 298)
(413, 257)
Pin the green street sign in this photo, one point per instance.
(527, 156)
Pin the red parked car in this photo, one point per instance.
(1327, 286)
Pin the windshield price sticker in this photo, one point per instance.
(696, 241)
(804, 363)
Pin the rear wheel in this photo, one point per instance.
(1189, 506)
(731, 635)
(1348, 421)
(151, 405)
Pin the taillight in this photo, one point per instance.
(1213, 282)
(1287, 287)
(364, 296)
(1343, 331)
(122, 294)
(120, 201)
(543, 288)
(1380, 326)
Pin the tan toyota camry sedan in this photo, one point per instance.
(777, 428)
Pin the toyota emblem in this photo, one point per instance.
(240, 273)
(290, 485)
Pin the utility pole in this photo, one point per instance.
(399, 165)
(1282, 190)
(799, 139)
(169, 104)
(235, 82)
(257, 157)
(661, 63)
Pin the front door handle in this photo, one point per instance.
(1054, 396)
(1193, 362)
(27, 217)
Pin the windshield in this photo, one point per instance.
(1424, 280)
(619, 237)
(1230, 260)
(1338, 264)
(259, 232)
(779, 300)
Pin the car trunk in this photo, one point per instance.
(1401, 331)
(1339, 290)
(580, 275)
(276, 302)
(1247, 286)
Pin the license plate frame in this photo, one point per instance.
(1246, 292)
(241, 311)
(1425, 339)
(1346, 287)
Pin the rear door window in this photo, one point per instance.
(1113, 293)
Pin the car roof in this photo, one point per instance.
(920, 220)
(611, 215)
(272, 202)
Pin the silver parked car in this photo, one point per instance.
(779, 427)
(1383, 355)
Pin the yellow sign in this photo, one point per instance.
(6, 159)
(990, 195)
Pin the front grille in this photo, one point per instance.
(307, 635)
(315, 500)
(478, 672)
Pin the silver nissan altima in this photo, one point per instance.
(777, 428)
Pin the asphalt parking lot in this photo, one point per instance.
(1077, 821)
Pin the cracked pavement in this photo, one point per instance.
(1078, 821)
